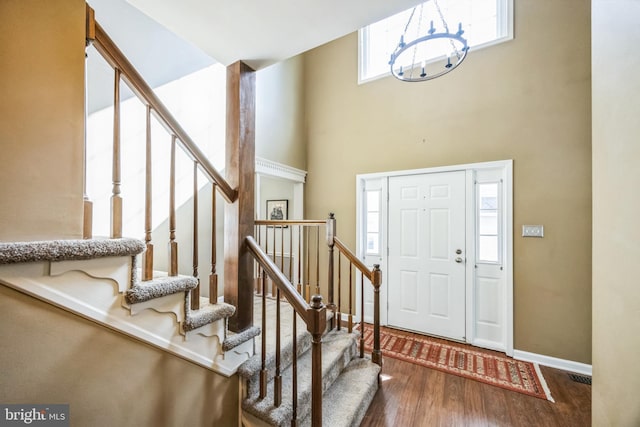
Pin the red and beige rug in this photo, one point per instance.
(458, 359)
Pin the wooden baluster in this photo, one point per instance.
(294, 371)
(350, 318)
(273, 284)
(173, 245)
(307, 290)
(213, 277)
(266, 240)
(263, 355)
(300, 259)
(147, 256)
(318, 319)
(331, 229)
(282, 249)
(291, 279)
(339, 290)
(195, 292)
(257, 279)
(361, 315)
(317, 260)
(376, 354)
(87, 214)
(116, 199)
(277, 380)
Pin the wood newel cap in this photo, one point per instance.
(331, 229)
(376, 277)
(317, 316)
(316, 302)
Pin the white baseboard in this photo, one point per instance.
(553, 362)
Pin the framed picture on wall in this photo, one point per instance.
(277, 210)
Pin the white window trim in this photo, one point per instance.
(507, 17)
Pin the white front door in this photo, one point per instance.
(426, 232)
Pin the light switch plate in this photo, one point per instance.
(532, 231)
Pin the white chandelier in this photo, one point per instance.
(413, 61)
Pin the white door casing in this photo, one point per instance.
(427, 253)
(487, 325)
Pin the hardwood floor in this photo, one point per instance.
(415, 396)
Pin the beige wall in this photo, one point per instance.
(616, 210)
(280, 125)
(51, 356)
(527, 100)
(42, 124)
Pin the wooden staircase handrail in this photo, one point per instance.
(314, 315)
(116, 59)
(288, 290)
(286, 222)
(374, 275)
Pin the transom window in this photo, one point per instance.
(485, 22)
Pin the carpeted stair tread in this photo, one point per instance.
(250, 369)
(346, 402)
(68, 250)
(252, 366)
(235, 339)
(207, 313)
(159, 287)
(338, 348)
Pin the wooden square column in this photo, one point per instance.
(240, 171)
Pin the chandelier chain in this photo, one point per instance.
(415, 47)
(446, 28)
(406, 27)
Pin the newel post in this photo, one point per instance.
(239, 216)
(331, 232)
(316, 326)
(376, 281)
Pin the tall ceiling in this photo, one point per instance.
(262, 32)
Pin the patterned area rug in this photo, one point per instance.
(458, 359)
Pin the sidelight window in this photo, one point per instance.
(489, 218)
(373, 208)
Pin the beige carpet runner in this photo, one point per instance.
(458, 359)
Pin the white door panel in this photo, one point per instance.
(426, 289)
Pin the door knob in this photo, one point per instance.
(458, 259)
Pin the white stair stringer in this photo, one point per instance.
(173, 304)
(100, 268)
(93, 289)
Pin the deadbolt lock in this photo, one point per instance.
(458, 251)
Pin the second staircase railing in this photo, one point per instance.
(301, 261)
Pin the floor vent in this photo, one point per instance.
(580, 378)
